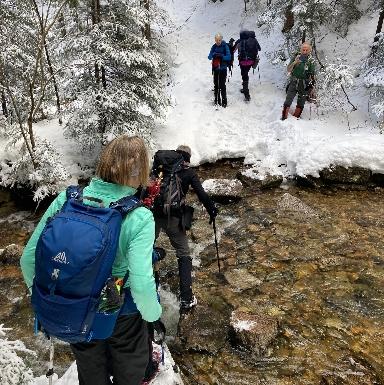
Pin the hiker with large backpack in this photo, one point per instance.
(248, 53)
(221, 58)
(88, 265)
(302, 80)
(173, 216)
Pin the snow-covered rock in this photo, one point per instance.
(224, 189)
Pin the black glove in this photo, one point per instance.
(160, 253)
(213, 214)
(157, 331)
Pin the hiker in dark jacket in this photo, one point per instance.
(302, 71)
(177, 234)
(221, 57)
(248, 48)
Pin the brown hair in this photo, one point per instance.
(123, 158)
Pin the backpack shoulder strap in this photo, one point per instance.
(126, 205)
(74, 192)
(178, 166)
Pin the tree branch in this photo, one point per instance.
(354, 108)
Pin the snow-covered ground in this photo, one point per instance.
(254, 130)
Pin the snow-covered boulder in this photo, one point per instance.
(255, 332)
(223, 189)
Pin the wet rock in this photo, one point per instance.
(204, 329)
(289, 203)
(224, 190)
(11, 255)
(350, 377)
(309, 181)
(343, 175)
(378, 179)
(262, 220)
(241, 279)
(250, 178)
(255, 332)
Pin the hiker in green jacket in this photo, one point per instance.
(123, 167)
(302, 71)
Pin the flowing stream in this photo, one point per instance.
(312, 261)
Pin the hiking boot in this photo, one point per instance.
(150, 372)
(188, 305)
(298, 112)
(284, 114)
(246, 91)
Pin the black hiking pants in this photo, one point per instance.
(245, 72)
(219, 81)
(179, 241)
(124, 355)
(296, 86)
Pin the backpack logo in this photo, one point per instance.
(61, 258)
(55, 274)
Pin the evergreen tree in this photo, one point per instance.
(115, 77)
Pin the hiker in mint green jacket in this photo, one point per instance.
(123, 167)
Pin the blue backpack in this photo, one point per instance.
(73, 268)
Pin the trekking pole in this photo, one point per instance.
(216, 243)
(258, 70)
(49, 374)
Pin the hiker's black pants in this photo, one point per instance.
(296, 86)
(179, 241)
(245, 72)
(219, 81)
(124, 355)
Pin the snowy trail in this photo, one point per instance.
(252, 130)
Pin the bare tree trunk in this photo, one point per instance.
(4, 104)
(95, 9)
(147, 26)
(379, 24)
(50, 68)
(103, 79)
(289, 19)
(303, 37)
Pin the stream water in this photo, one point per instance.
(312, 261)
